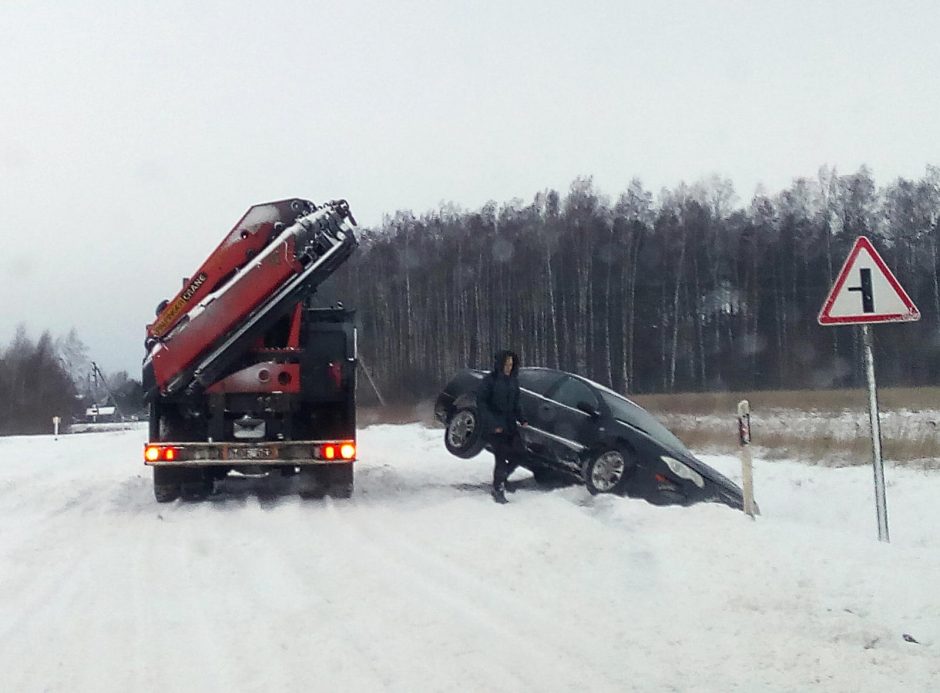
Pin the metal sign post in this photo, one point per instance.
(881, 502)
(866, 291)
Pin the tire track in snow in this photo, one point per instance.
(309, 584)
(503, 606)
(515, 635)
(489, 660)
(29, 609)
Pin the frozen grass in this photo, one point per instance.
(821, 426)
(913, 399)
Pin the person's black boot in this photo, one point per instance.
(499, 494)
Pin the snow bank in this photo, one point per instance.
(420, 582)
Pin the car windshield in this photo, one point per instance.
(624, 410)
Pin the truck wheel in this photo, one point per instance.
(463, 435)
(311, 483)
(196, 489)
(166, 487)
(341, 480)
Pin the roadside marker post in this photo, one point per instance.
(55, 426)
(747, 465)
(877, 297)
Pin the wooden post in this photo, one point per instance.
(747, 466)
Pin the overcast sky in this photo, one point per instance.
(133, 135)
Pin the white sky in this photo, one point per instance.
(133, 135)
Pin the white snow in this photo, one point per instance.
(422, 583)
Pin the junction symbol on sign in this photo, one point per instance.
(866, 291)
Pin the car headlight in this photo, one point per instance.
(683, 471)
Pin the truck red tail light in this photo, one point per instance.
(154, 453)
(341, 450)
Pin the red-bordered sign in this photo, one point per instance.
(866, 291)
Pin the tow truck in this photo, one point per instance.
(243, 373)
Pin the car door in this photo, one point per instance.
(571, 429)
(537, 409)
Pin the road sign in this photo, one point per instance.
(866, 291)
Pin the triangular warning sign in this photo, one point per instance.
(866, 291)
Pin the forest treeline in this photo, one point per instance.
(50, 377)
(685, 290)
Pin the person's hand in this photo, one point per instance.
(498, 429)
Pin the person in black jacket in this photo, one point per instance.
(500, 415)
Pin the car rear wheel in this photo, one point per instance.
(606, 471)
(463, 435)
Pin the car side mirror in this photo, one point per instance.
(588, 409)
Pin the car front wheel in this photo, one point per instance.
(606, 471)
(463, 435)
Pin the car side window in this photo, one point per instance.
(573, 391)
(538, 380)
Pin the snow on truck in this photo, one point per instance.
(242, 373)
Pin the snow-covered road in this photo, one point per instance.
(421, 583)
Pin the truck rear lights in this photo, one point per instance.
(155, 453)
(338, 451)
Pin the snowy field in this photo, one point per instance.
(422, 583)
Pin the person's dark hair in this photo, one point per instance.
(500, 358)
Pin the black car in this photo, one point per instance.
(585, 432)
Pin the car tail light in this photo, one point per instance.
(169, 454)
(152, 453)
(329, 452)
(347, 451)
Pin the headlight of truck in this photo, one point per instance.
(683, 471)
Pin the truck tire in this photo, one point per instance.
(166, 486)
(196, 487)
(333, 479)
(340, 480)
(311, 482)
